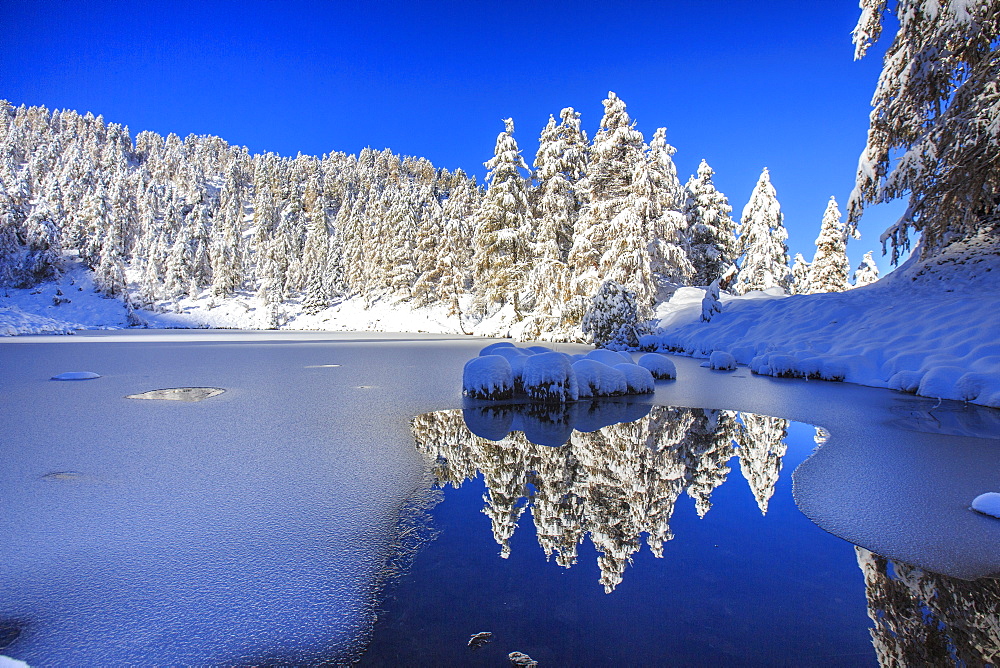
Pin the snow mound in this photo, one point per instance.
(721, 361)
(490, 349)
(488, 377)
(638, 379)
(987, 504)
(549, 377)
(599, 380)
(76, 375)
(609, 357)
(659, 365)
(930, 327)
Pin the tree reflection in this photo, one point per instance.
(610, 470)
(925, 619)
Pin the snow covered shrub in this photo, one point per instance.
(721, 361)
(539, 349)
(609, 357)
(711, 305)
(516, 357)
(638, 379)
(661, 367)
(493, 347)
(488, 377)
(599, 380)
(612, 318)
(549, 377)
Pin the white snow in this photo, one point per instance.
(550, 377)
(76, 375)
(638, 379)
(609, 357)
(721, 361)
(7, 662)
(487, 377)
(931, 327)
(659, 365)
(988, 504)
(599, 380)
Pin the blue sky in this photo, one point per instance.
(745, 85)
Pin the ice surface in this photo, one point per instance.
(488, 377)
(77, 375)
(659, 365)
(250, 529)
(638, 379)
(988, 504)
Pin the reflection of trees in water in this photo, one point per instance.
(613, 484)
(926, 619)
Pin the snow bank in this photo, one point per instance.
(487, 377)
(14, 321)
(930, 328)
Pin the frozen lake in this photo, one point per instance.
(254, 527)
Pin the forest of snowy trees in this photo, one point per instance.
(159, 219)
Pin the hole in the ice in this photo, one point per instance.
(179, 394)
(62, 475)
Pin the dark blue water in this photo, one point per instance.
(736, 586)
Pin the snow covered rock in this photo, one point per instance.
(549, 377)
(660, 366)
(987, 504)
(720, 360)
(609, 357)
(521, 659)
(76, 375)
(488, 377)
(599, 380)
(638, 379)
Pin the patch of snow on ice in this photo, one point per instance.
(76, 375)
(988, 504)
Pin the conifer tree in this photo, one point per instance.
(830, 267)
(936, 104)
(800, 275)
(502, 248)
(762, 242)
(711, 233)
(867, 271)
(668, 257)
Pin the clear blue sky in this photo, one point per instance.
(745, 85)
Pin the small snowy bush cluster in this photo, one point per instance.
(502, 371)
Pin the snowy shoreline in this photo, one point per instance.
(929, 328)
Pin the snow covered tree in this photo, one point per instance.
(762, 242)
(710, 303)
(830, 267)
(867, 271)
(711, 233)
(667, 197)
(612, 317)
(502, 246)
(800, 275)
(936, 104)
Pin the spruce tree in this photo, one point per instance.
(762, 242)
(668, 258)
(502, 247)
(830, 267)
(711, 233)
(867, 271)
(800, 275)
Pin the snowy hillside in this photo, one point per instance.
(932, 328)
